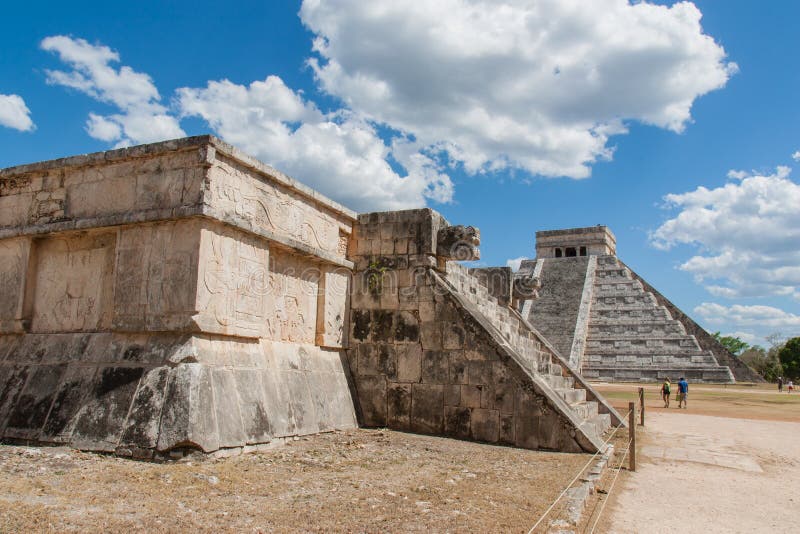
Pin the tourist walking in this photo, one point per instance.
(665, 391)
(780, 384)
(683, 393)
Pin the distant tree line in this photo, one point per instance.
(782, 358)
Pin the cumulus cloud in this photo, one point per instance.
(141, 118)
(338, 153)
(15, 114)
(796, 156)
(514, 263)
(539, 86)
(764, 319)
(747, 234)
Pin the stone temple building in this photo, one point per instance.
(184, 296)
(609, 322)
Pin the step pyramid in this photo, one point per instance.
(610, 324)
(631, 337)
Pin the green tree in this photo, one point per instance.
(735, 345)
(762, 362)
(789, 356)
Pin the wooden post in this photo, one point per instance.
(632, 435)
(641, 405)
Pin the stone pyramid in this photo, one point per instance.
(610, 323)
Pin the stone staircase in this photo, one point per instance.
(632, 337)
(556, 311)
(537, 356)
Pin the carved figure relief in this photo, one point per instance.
(275, 210)
(73, 283)
(234, 282)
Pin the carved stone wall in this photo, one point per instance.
(170, 296)
(423, 360)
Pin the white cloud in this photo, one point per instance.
(141, 119)
(516, 84)
(796, 156)
(514, 263)
(738, 175)
(339, 153)
(747, 337)
(747, 234)
(749, 322)
(15, 114)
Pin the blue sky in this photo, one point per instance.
(514, 118)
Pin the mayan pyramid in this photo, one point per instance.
(609, 323)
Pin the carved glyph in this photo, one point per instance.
(292, 299)
(270, 207)
(233, 283)
(74, 283)
(156, 276)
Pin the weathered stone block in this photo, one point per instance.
(189, 417)
(409, 362)
(458, 367)
(253, 406)
(453, 337)
(399, 406)
(427, 408)
(471, 396)
(457, 422)
(142, 425)
(226, 402)
(485, 425)
(33, 404)
(434, 367)
(102, 420)
(372, 397)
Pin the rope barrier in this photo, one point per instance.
(611, 488)
(601, 449)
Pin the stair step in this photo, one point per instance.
(602, 422)
(586, 409)
(572, 396)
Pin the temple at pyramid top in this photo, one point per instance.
(570, 242)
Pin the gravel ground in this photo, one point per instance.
(356, 481)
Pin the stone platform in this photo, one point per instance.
(170, 296)
(185, 296)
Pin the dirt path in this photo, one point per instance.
(705, 474)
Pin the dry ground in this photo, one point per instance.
(729, 463)
(358, 481)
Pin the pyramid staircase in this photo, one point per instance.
(631, 337)
(535, 354)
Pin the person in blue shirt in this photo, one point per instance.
(683, 393)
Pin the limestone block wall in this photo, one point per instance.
(422, 361)
(147, 305)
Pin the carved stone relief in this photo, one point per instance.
(13, 268)
(156, 276)
(272, 208)
(74, 283)
(232, 292)
(293, 287)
